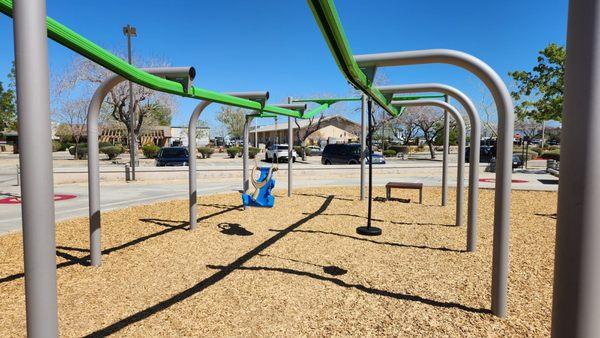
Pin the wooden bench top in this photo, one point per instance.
(407, 185)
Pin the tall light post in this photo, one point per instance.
(130, 31)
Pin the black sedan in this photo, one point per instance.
(172, 156)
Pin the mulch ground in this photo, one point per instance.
(296, 269)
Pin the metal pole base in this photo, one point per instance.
(368, 231)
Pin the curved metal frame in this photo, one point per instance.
(460, 190)
(192, 186)
(475, 136)
(93, 161)
(505, 109)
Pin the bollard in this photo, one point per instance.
(18, 175)
(127, 173)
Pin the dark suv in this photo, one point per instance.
(172, 156)
(346, 153)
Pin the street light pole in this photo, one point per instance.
(130, 31)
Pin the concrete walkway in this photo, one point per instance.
(115, 195)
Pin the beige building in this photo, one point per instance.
(332, 129)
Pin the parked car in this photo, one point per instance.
(346, 153)
(486, 153)
(172, 156)
(517, 161)
(278, 153)
(315, 150)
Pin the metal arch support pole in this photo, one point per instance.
(192, 184)
(506, 119)
(576, 301)
(461, 146)
(245, 156)
(290, 140)
(475, 135)
(37, 191)
(255, 135)
(93, 161)
(445, 156)
(363, 143)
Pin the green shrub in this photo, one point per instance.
(104, 144)
(389, 153)
(252, 152)
(206, 151)
(531, 154)
(400, 149)
(551, 156)
(81, 151)
(150, 150)
(112, 151)
(57, 146)
(233, 151)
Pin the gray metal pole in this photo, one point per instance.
(363, 144)
(245, 156)
(132, 121)
(445, 156)
(461, 146)
(192, 185)
(576, 301)
(35, 158)
(255, 135)
(475, 136)
(290, 153)
(506, 120)
(93, 153)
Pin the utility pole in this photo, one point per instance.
(130, 31)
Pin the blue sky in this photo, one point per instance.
(276, 45)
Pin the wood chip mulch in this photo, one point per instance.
(296, 269)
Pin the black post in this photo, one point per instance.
(369, 230)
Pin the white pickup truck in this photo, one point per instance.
(279, 152)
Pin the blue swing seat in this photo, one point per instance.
(265, 199)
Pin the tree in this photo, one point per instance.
(430, 122)
(539, 93)
(303, 133)
(405, 128)
(233, 119)
(8, 104)
(82, 77)
(73, 115)
(529, 127)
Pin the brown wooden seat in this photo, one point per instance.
(404, 185)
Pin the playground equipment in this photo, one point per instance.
(93, 161)
(328, 20)
(263, 186)
(299, 107)
(325, 103)
(576, 302)
(577, 279)
(461, 147)
(475, 137)
(259, 97)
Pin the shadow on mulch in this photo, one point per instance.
(328, 269)
(553, 216)
(392, 222)
(234, 229)
(402, 245)
(325, 196)
(366, 289)
(73, 260)
(211, 280)
(391, 199)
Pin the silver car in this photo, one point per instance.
(278, 153)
